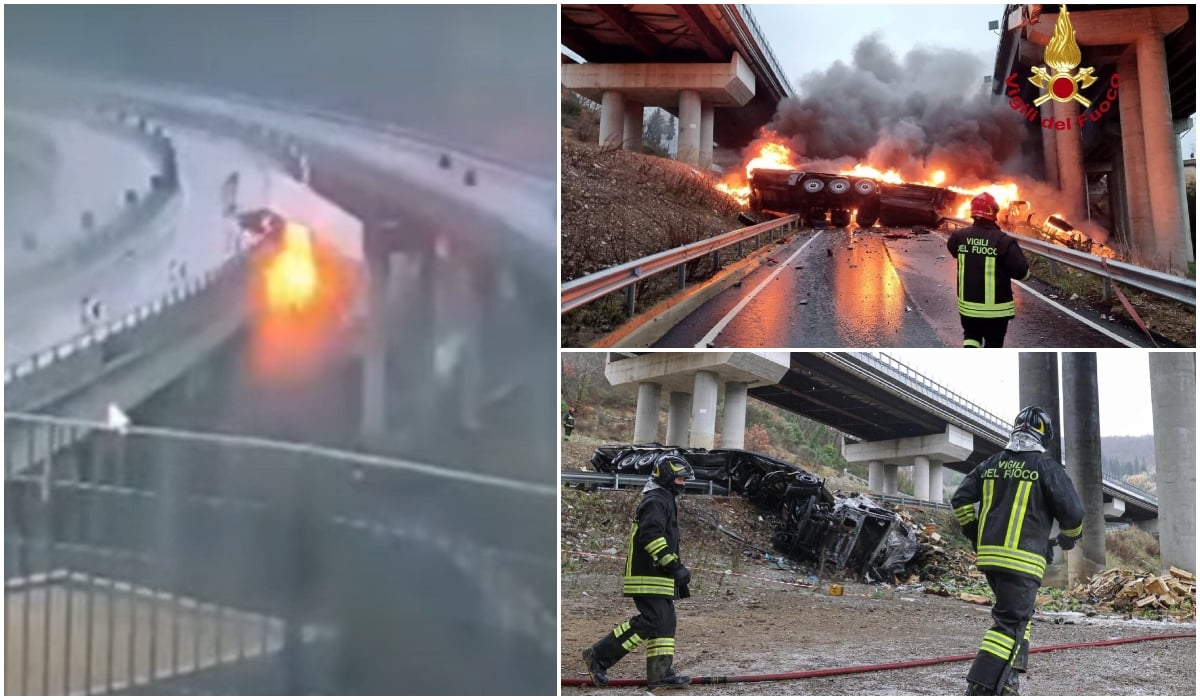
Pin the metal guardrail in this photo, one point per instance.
(591, 287)
(1161, 284)
(616, 480)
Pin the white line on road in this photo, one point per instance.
(716, 330)
(1077, 317)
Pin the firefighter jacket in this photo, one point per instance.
(988, 259)
(653, 548)
(569, 420)
(1020, 495)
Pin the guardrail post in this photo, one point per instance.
(681, 277)
(739, 250)
(630, 299)
(1107, 293)
(716, 256)
(1053, 267)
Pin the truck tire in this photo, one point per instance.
(865, 188)
(839, 186)
(813, 185)
(867, 215)
(816, 218)
(839, 218)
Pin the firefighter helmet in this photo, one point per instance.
(984, 206)
(669, 466)
(1032, 420)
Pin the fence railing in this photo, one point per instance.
(164, 561)
(589, 288)
(1161, 284)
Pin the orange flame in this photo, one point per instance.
(291, 277)
(772, 155)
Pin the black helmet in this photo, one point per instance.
(1032, 420)
(668, 466)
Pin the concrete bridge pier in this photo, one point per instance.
(612, 119)
(733, 422)
(1133, 147)
(645, 421)
(1081, 437)
(689, 127)
(704, 411)
(1173, 401)
(679, 418)
(923, 452)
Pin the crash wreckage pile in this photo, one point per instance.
(842, 532)
(1127, 591)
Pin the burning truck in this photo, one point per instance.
(842, 198)
(813, 525)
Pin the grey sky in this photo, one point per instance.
(811, 37)
(1124, 383)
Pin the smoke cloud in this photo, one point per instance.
(924, 111)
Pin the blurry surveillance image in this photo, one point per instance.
(280, 350)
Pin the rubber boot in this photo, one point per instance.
(600, 657)
(660, 675)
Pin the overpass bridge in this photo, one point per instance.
(687, 59)
(118, 527)
(890, 414)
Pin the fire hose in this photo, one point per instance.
(846, 670)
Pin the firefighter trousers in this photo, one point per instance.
(654, 624)
(1008, 639)
(984, 332)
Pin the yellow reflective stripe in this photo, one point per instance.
(629, 549)
(653, 547)
(1014, 523)
(1022, 497)
(995, 651)
(965, 514)
(620, 630)
(977, 310)
(998, 551)
(649, 585)
(1000, 638)
(1014, 559)
(962, 269)
(969, 343)
(668, 559)
(989, 281)
(988, 484)
(1074, 532)
(1012, 565)
(663, 646)
(632, 643)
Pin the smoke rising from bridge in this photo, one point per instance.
(915, 113)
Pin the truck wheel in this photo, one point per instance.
(839, 218)
(865, 188)
(867, 215)
(816, 218)
(813, 186)
(839, 186)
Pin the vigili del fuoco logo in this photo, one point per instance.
(1062, 85)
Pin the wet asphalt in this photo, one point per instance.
(836, 288)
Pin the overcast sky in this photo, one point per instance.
(1123, 376)
(807, 38)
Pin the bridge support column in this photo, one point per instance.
(890, 472)
(937, 493)
(706, 134)
(1037, 374)
(921, 477)
(612, 119)
(633, 126)
(1049, 146)
(704, 411)
(1173, 401)
(875, 476)
(1070, 159)
(733, 423)
(689, 127)
(679, 419)
(374, 367)
(1081, 433)
(1164, 174)
(645, 422)
(1133, 153)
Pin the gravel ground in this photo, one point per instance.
(746, 626)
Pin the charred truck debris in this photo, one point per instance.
(834, 532)
(813, 195)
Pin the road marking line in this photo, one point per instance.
(1077, 317)
(716, 330)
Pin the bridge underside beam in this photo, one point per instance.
(954, 445)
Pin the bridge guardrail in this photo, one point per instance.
(591, 287)
(760, 41)
(1161, 284)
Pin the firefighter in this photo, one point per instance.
(1020, 491)
(569, 422)
(654, 577)
(988, 259)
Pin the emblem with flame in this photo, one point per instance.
(1062, 55)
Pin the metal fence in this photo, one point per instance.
(161, 561)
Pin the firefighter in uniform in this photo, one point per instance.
(654, 577)
(988, 259)
(569, 422)
(1020, 492)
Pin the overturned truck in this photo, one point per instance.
(842, 198)
(814, 525)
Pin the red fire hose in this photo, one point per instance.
(795, 675)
